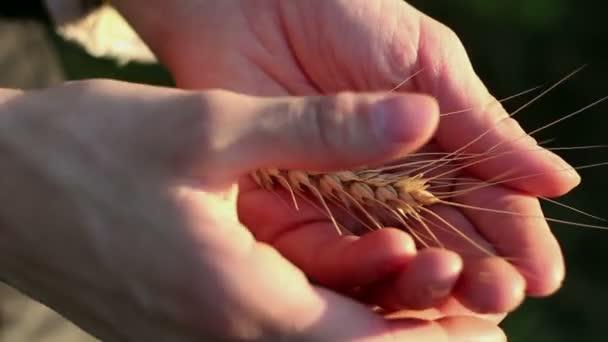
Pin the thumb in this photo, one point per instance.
(315, 133)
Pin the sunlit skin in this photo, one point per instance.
(136, 233)
(217, 256)
(320, 47)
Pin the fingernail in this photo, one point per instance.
(406, 118)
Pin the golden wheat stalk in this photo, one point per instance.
(376, 197)
(404, 193)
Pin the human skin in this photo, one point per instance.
(274, 47)
(119, 210)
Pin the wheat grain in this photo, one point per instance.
(379, 196)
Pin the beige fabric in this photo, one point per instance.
(25, 320)
(99, 29)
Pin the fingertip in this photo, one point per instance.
(375, 256)
(524, 239)
(541, 172)
(541, 264)
(407, 121)
(565, 176)
(491, 285)
(545, 279)
(427, 280)
(430, 278)
(393, 247)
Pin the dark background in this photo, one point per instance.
(515, 45)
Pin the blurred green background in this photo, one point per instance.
(516, 45)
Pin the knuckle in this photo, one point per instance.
(210, 101)
(209, 124)
(451, 50)
(401, 55)
(329, 122)
(181, 122)
(193, 125)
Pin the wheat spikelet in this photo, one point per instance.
(363, 188)
(377, 197)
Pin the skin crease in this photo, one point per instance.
(320, 47)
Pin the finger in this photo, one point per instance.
(344, 262)
(520, 234)
(449, 76)
(308, 239)
(508, 293)
(488, 283)
(426, 281)
(244, 133)
(321, 315)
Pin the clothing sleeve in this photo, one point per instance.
(99, 29)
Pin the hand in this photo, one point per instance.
(119, 210)
(322, 47)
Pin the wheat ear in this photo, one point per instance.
(380, 197)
